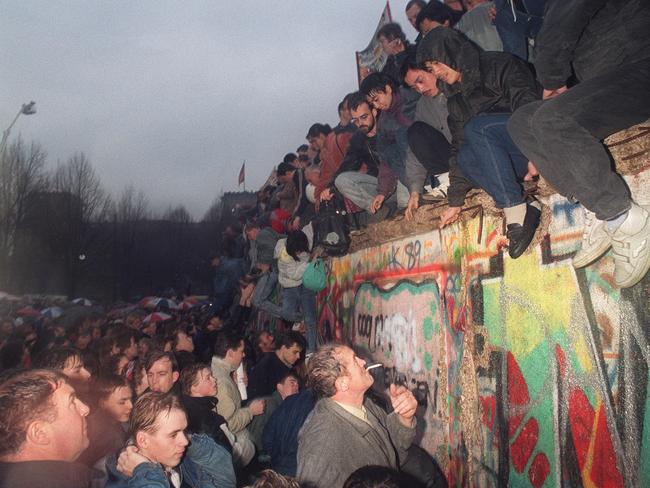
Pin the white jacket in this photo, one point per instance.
(290, 271)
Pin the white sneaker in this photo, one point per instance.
(595, 241)
(630, 243)
(439, 191)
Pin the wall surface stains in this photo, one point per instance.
(528, 372)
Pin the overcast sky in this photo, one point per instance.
(171, 96)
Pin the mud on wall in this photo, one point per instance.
(529, 372)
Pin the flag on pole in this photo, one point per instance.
(372, 59)
(242, 174)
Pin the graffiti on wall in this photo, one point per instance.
(529, 372)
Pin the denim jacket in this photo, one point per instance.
(205, 465)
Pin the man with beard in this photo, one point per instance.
(364, 176)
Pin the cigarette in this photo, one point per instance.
(373, 366)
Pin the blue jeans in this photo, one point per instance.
(515, 33)
(299, 303)
(490, 159)
(261, 298)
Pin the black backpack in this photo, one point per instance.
(331, 230)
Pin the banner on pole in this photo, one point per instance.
(242, 173)
(372, 59)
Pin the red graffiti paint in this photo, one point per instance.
(517, 395)
(488, 411)
(561, 360)
(603, 472)
(522, 448)
(539, 470)
(581, 420)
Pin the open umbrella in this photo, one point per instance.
(145, 301)
(161, 303)
(52, 312)
(156, 317)
(121, 311)
(185, 305)
(82, 301)
(28, 312)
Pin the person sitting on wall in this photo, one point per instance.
(364, 176)
(483, 89)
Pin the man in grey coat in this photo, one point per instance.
(346, 431)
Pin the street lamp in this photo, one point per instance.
(26, 109)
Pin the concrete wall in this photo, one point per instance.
(529, 372)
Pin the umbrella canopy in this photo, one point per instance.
(28, 312)
(8, 296)
(82, 301)
(156, 317)
(152, 303)
(121, 312)
(143, 303)
(185, 305)
(52, 312)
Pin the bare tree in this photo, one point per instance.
(132, 206)
(21, 176)
(87, 206)
(78, 178)
(132, 210)
(213, 214)
(178, 214)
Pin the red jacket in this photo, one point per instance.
(331, 157)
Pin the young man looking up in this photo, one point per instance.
(346, 430)
(42, 432)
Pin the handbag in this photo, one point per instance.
(315, 276)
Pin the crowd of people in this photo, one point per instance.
(243, 390)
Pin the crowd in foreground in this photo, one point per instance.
(171, 402)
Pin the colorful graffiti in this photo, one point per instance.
(528, 372)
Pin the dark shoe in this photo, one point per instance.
(519, 236)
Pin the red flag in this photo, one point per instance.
(242, 173)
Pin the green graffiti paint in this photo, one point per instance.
(428, 361)
(427, 327)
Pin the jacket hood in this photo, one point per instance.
(452, 48)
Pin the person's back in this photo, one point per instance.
(479, 28)
(266, 241)
(616, 33)
(280, 436)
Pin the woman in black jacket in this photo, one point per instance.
(483, 89)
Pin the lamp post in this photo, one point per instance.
(26, 109)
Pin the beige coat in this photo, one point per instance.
(229, 399)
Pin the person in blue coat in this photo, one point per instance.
(163, 456)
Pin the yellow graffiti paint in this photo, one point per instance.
(532, 300)
(582, 354)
